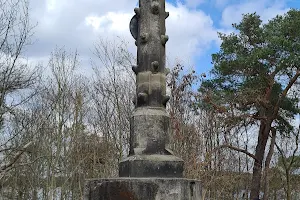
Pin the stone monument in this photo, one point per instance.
(151, 171)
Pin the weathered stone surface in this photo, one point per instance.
(151, 22)
(142, 189)
(153, 85)
(149, 124)
(151, 59)
(148, 156)
(154, 165)
(149, 131)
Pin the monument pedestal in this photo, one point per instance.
(142, 189)
(163, 166)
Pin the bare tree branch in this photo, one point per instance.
(16, 157)
(232, 148)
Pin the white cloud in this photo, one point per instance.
(267, 9)
(187, 40)
(191, 32)
(111, 21)
(50, 4)
(77, 24)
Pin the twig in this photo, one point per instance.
(16, 158)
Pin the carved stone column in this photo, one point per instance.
(150, 172)
(148, 156)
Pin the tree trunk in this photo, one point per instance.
(288, 185)
(263, 134)
(267, 166)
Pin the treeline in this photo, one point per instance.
(236, 129)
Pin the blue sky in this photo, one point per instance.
(216, 9)
(192, 26)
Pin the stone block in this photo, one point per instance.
(154, 165)
(149, 130)
(142, 189)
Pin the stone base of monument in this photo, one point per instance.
(142, 189)
(163, 166)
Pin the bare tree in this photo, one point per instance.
(113, 90)
(289, 162)
(16, 77)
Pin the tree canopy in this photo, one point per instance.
(256, 67)
(254, 76)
